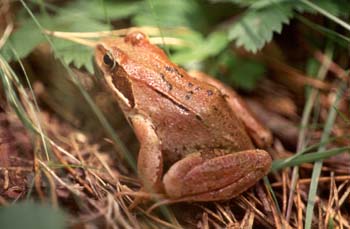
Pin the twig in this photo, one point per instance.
(6, 34)
(54, 200)
(333, 67)
(308, 180)
(59, 180)
(73, 172)
(9, 27)
(149, 30)
(300, 206)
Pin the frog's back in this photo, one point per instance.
(193, 117)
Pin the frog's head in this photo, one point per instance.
(112, 53)
(130, 62)
(118, 59)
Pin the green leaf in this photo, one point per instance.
(32, 216)
(238, 2)
(247, 74)
(171, 14)
(242, 73)
(78, 55)
(79, 23)
(72, 53)
(253, 3)
(23, 40)
(256, 26)
(204, 48)
(98, 9)
(268, 3)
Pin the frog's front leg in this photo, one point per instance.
(150, 159)
(198, 178)
(262, 137)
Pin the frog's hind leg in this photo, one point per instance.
(196, 178)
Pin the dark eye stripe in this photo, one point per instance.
(123, 85)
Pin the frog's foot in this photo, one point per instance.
(196, 178)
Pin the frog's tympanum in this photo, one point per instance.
(196, 135)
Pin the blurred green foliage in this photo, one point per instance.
(212, 26)
(32, 216)
(244, 73)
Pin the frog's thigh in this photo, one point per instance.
(199, 179)
(261, 136)
(150, 159)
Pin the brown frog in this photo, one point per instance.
(194, 132)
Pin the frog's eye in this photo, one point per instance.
(109, 61)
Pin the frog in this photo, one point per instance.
(198, 140)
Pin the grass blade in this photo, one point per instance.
(307, 158)
(327, 14)
(318, 164)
